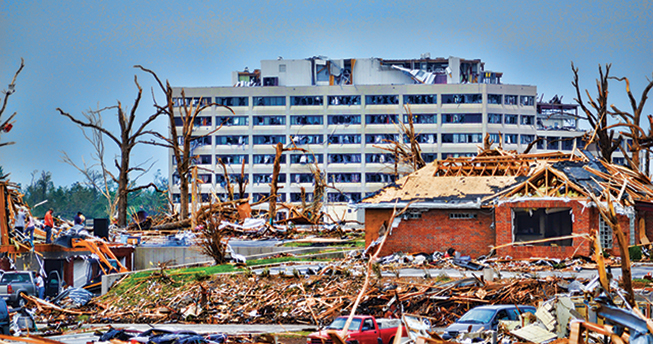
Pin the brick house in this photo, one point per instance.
(522, 205)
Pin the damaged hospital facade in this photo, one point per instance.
(343, 110)
(520, 205)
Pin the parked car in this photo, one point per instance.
(363, 329)
(485, 318)
(13, 283)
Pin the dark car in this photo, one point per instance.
(171, 338)
(485, 318)
(4, 317)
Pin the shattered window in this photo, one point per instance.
(345, 119)
(344, 197)
(188, 101)
(619, 161)
(232, 159)
(179, 122)
(199, 141)
(381, 119)
(527, 100)
(510, 100)
(202, 121)
(201, 160)
(269, 101)
(269, 120)
(297, 197)
(494, 118)
(204, 178)
(344, 100)
(462, 138)
(568, 143)
(233, 179)
(232, 101)
(344, 158)
(511, 119)
(307, 100)
(458, 155)
(281, 197)
(429, 157)
(423, 119)
(380, 178)
(232, 120)
(307, 139)
(300, 178)
(553, 143)
(542, 223)
(526, 139)
(475, 98)
(462, 118)
(527, 120)
(232, 140)
(380, 158)
(268, 159)
(495, 138)
(269, 139)
(345, 139)
(423, 138)
(540, 144)
(494, 99)
(306, 120)
(381, 138)
(266, 178)
(344, 178)
(306, 158)
(381, 99)
(510, 138)
(420, 99)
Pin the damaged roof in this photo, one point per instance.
(497, 174)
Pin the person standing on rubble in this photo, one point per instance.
(40, 285)
(79, 219)
(48, 222)
(30, 230)
(19, 220)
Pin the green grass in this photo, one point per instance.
(353, 243)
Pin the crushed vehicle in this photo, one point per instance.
(13, 283)
(364, 329)
(483, 318)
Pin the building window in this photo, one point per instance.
(605, 234)
(420, 99)
(204, 178)
(527, 120)
(495, 138)
(511, 119)
(197, 141)
(297, 197)
(232, 120)
(568, 143)
(380, 178)
(270, 81)
(201, 160)
(201, 121)
(458, 155)
(256, 197)
(429, 157)
(423, 138)
(475, 98)
(526, 139)
(344, 158)
(266, 178)
(494, 118)
(619, 161)
(380, 158)
(494, 99)
(540, 143)
(269, 120)
(345, 139)
(307, 100)
(270, 101)
(381, 99)
(232, 140)
(233, 179)
(462, 216)
(232, 101)
(307, 139)
(527, 100)
(344, 177)
(345, 119)
(202, 101)
(306, 158)
(269, 139)
(423, 119)
(510, 138)
(268, 159)
(344, 197)
(462, 138)
(232, 159)
(381, 138)
(463, 118)
(541, 223)
(302, 178)
(510, 100)
(552, 143)
(381, 119)
(344, 100)
(306, 120)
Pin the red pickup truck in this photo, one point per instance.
(364, 329)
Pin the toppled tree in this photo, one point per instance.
(182, 144)
(126, 140)
(211, 238)
(7, 124)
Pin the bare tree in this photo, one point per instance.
(181, 143)
(126, 140)
(406, 154)
(597, 112)
(7, 124)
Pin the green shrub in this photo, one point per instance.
(635, 253)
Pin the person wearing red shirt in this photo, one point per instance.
(48, 222)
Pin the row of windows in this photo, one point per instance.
(493, 118)
(391, 99)
(298, 178)
(294, 197)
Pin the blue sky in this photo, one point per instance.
(79, 55)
